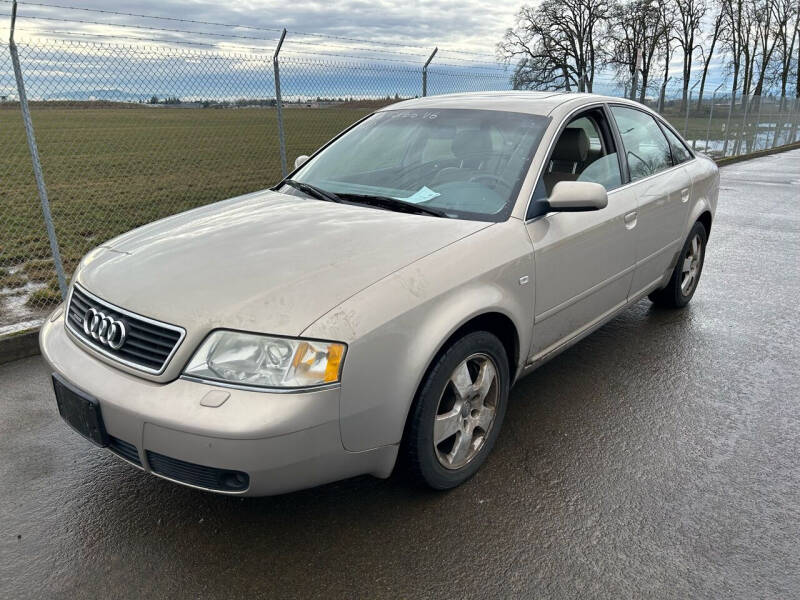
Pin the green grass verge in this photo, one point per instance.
(109, 170)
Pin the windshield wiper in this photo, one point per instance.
(394, 204)
(313, 191)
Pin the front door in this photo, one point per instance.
(584, 261)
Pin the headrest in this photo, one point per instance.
(470, 143)
(572, 146)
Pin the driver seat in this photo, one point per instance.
(568, 158)
(471, 148)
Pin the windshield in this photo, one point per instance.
(466, 164)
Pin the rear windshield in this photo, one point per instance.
(470, 164)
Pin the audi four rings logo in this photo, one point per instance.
(106, 330)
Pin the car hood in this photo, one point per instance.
(265, 262)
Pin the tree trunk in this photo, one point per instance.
(643, 85)
(687, 73)
(797, 83)
(707, 61)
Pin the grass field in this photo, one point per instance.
(108, 170)
(111, 169)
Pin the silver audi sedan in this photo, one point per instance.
(373, 309)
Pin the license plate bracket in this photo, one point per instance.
(80, 410)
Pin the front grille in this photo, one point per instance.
(124, 449)
(222, 480)
(148, 344)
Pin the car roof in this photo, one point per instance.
(537, 103)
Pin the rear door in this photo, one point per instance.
(662, 190)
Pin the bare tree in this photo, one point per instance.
(787, 30)
(690, 15)
(668, 17)
(736, 39)
(634, 29)
(711, 41)
(766, 39)
(563, 44)
(557, 44)
(797, 63)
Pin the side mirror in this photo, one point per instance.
(298, 162)
(577, 196)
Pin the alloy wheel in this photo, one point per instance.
(466, 411)
(692, 262)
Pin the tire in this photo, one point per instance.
(471, 409)
(676, 294)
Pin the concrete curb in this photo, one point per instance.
(722, 162)
(26, 343)
(19, 345)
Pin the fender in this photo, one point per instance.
(395, 328)
(705, 187)
(702, 205)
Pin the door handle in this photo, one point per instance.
(685, 195)
(630, 219)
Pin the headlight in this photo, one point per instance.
(263, 361)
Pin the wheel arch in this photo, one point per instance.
(705, 218)
(701, 211)
(492, 321)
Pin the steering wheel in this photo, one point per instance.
(488, 176)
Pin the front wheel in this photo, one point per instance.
(458, 412)
(686, 275)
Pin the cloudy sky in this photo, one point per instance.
(396, 31)
(415, 25)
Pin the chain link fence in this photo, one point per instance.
(128, 134)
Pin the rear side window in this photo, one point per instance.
(680, 153)
(646, 148)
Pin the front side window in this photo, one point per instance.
(680, 153)
(584, 151)
(646, 147)
(464, 163)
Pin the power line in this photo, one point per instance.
(265, 51)
(240, 26)
(246, 37)
(138, 39)
(146, 28)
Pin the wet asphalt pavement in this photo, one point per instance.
(659, 457)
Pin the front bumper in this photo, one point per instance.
(283, 441)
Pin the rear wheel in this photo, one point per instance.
(686, 275)
(458, 412)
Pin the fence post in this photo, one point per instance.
(710, 115)
(754, 147)
(688, 108)
(279, 104)
(728, 123)
(34, 150)
(779, 119)
(425, 72)
(795, 114)
(738, 146)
